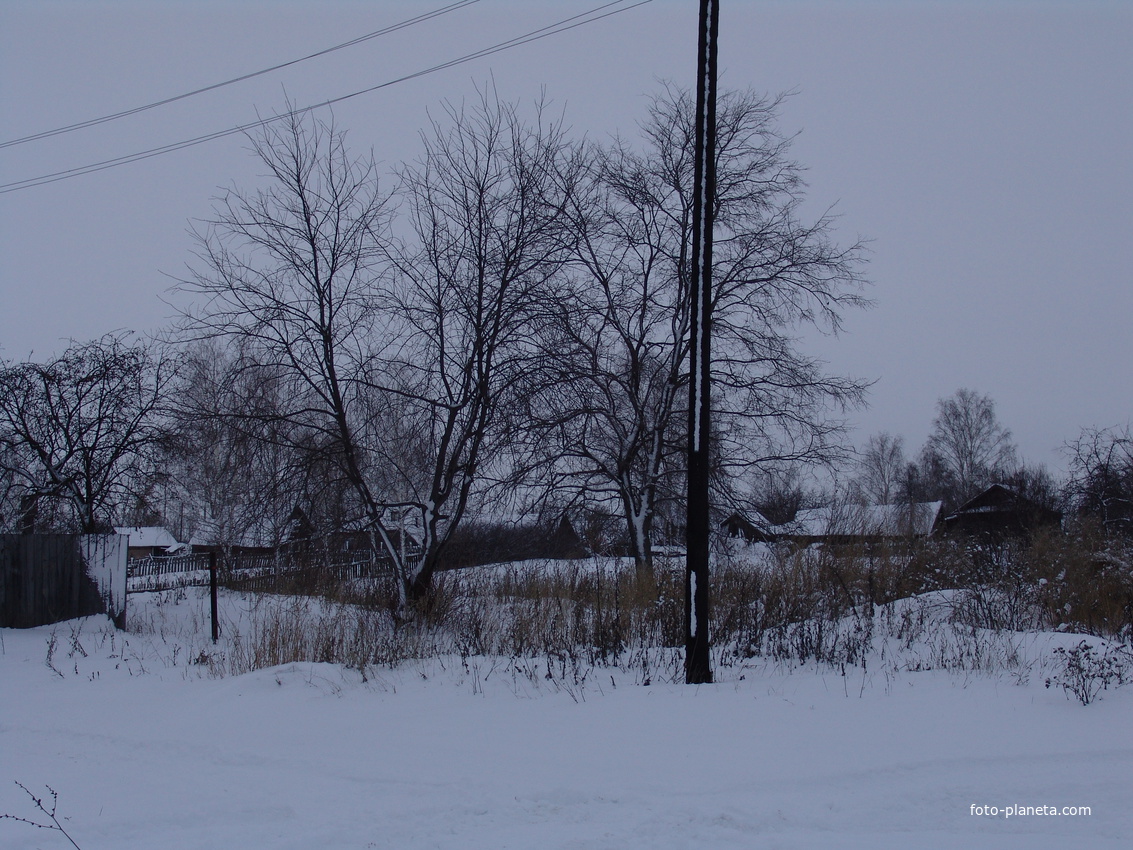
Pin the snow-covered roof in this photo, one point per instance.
(149, 536)
(862, 521)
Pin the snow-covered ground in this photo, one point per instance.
(148, 749)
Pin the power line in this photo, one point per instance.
(556, 28)
(92, 122)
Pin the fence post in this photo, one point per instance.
(212, 596)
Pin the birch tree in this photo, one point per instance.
(968, 448)
(233, 471)
(882, 468)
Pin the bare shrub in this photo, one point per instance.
(1085, 582)
(1085, 673)
(283, 630)
(912, 605)
(1080, 583)
(48, 811)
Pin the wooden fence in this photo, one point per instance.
(47, 578)
(277, 572)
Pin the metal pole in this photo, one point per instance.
(698, 667)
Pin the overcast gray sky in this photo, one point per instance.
(984, 148)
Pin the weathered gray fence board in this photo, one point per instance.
(45, 578)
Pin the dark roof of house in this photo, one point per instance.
(1000, 503)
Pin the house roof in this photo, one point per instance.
(999, 503)
(997, 497)
(862, 521)
(149, 536)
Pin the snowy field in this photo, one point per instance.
(148, 749)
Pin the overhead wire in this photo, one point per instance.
(92, 122)
(561, 26)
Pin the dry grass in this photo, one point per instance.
(829, 606)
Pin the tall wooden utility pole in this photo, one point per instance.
(698, 667)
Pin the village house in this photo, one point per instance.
(150, 541)
(840, 524)
(1000, 511)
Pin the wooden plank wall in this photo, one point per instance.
(43, 580)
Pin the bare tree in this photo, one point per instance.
(394, 357)
(1101, 477)
(614, 409)
(882, 468)
(782, 492)
(968, 447)
(14, 500)
(232, 472)
(289, 274)
(81, 429)
(486, 204)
